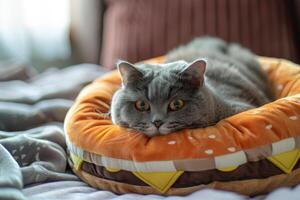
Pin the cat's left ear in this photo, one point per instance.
(194, 71)
(129, 73)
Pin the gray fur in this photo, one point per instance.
(233, 82)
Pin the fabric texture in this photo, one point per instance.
(39, 152)
(17, 116)
(51, 84)
(13, 70)
(253, 170)
(32, 111)
(250, 187)
(10, 177)
(136, 30)
(77, 190)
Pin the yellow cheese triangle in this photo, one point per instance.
(77, 161)
(112, 169)
(161, 181)
(228, 169)
(286, 161)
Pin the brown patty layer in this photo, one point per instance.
(253, 170)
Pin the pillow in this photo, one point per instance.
(252, 152)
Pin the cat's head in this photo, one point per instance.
(161, 98)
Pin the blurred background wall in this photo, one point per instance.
(63, 32)
(139, 29)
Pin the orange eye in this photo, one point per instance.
(176, 104)
(142, 105)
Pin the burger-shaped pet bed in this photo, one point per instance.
(251, 153)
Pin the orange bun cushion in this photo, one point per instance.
(221, 156)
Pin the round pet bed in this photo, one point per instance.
(252, 152)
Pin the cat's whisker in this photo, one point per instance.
(173, 122)
(171, 127)
(141, 124)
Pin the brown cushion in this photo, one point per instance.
(251, 170)
(140, 29)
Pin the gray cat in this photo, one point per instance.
(203, 82)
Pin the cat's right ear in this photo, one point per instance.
(129, 73)
(194, 72)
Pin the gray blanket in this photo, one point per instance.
(33, 161)
(32, 111)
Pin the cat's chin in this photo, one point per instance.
(164, 131)
(153, 131)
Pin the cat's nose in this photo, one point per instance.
(157, 123)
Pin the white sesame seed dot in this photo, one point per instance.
(172, 142)
(269, 127)
(279, 87)
(231, 149)
(293, 117)
(212, 136)
(190, 138)
(209, 151)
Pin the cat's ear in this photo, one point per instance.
(194, 72)
(128, 72)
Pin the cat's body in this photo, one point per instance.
(229, 82)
